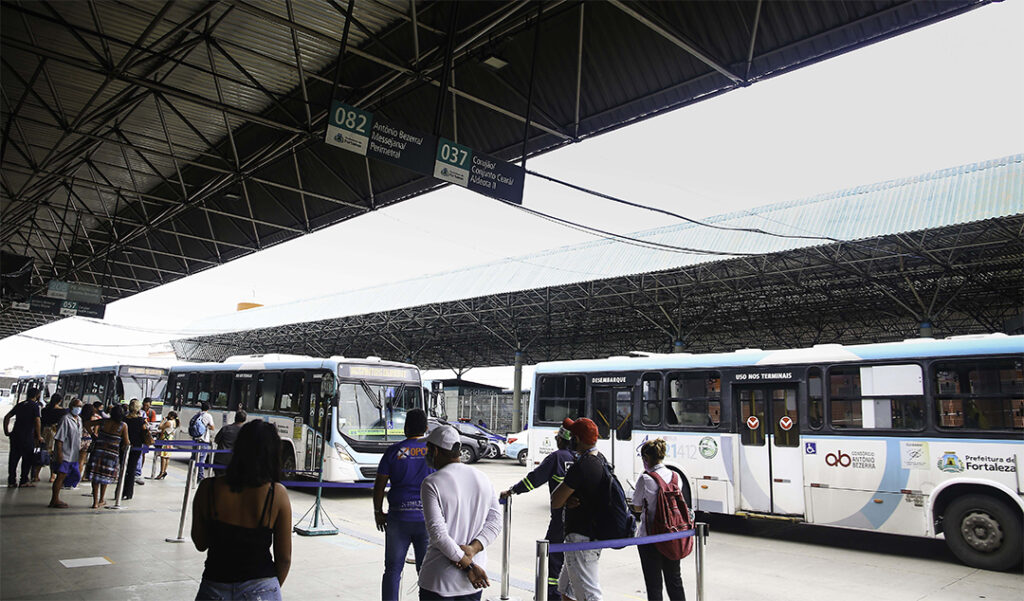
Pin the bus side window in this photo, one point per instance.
(815, 400)
(205, 384)
(651, 400)
(291, 392)
(980, 394)
(221, 390)
(560, 397)
(268, 385)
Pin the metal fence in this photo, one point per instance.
(495, 409)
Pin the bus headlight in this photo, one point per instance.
(343, 453)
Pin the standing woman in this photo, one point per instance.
(166, 432)
(238, 517)
(50, 417)
(139, 437)
(88, 429)
(104, 464)
(645, 501)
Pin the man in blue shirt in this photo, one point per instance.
(404, 464)
(552, 471)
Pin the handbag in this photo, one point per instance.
(41, 456)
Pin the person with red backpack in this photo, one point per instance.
(658, 498)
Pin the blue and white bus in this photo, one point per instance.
(357, 406)
(923, 437)
(110, 384)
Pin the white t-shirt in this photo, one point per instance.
(207, 419)
(459, 505)
(646, 494)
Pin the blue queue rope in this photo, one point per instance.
(619, 543)
(301, 484)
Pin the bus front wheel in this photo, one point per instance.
(983, 532)
(287, 462)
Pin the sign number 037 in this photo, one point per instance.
(350, 120)
(454, 155)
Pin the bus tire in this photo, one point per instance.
(983, 532)
(287, 462)
(522, 457)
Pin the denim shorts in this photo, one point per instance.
(260, 589)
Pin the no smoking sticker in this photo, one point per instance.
(786, 423)
(753, 422)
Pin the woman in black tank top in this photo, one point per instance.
(237, 518)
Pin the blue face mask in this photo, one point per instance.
(76, 411)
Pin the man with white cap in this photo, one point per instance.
(462, 516)
(552, 471)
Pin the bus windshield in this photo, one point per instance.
(141, 388)
(371, 411)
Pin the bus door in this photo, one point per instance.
(771, 464)
(611, 408)
(316, 417)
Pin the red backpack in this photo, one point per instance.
(671, 515)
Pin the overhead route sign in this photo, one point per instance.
(478, 172)
(364, 133)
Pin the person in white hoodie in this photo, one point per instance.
(462, 515)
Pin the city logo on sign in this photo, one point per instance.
(753, 422)
(811, 448)
(949, 462)
(786, 422)
(708, 447)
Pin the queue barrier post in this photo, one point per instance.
(119, 488)
(702, 542)
(184, 503)
(540, 586)
(506, 527)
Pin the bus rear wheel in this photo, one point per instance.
(983, 532)
(287, 463)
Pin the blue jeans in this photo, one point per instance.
(426, 595)
(203, 456)
(260, 589)
(397, 537)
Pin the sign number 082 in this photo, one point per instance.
(350, 120)
(454, 155)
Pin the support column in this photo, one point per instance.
(677, 346)
(517, 394)
(925, 330)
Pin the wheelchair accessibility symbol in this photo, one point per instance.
(810, 448)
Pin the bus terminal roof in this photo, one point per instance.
(942, 248)
(147, 141)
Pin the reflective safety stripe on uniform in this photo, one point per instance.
(529, 485)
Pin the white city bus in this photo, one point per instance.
(357, 405)
(46, 384)
(114, 383)
(923, 437)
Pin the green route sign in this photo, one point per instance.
(364, 133)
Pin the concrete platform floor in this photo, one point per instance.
(746, 560)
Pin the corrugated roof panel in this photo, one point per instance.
(982, 191)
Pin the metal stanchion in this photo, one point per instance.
(702, 541)
(154, 461)
(540, 586)
(184, 502)
(506, 558)
(120, 480)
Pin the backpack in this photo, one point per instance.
(612, 519)
(671, 515)
(196, 427)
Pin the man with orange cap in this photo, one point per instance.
(579, 493)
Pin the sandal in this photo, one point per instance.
(27, 485)
(58, 505)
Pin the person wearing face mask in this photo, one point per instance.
(462, 516)
(645, 502)
(551, 471)
(67, 442)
